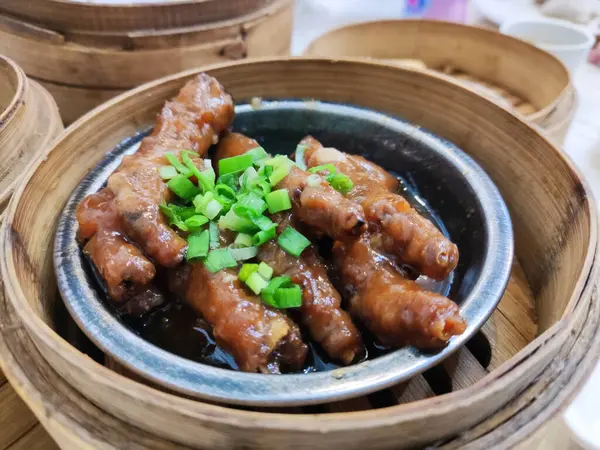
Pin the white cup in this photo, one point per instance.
(570, 43)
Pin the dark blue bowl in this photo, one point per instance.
(442, 181)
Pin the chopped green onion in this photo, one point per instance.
(258, 154)
(249, 205)
(168, 172)
(225, 191)
(263, 223)
(340, 182)
(265, 271)
(268, 293)
(264, 236)
(243, 240)
(288, 297)
(189, 164)
(278, 201)
(213, 229)
(265, 170)
(248, 177)
(235, 164)
(219, 259)
(261, 187)
(325, 167)
(206, 179)
(174, 161)
(242, 254)
(279, 160)
(196, 222)
(292, 242)
(247, 270)
(279, 173)
(300, 149)
(174, 218)
(183, 187)
(212, 209)
(256, 283)
(230, 180)
(185, 212)
(231, 221)
(197, 245)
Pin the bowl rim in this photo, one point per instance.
(18, 95)
(226, 386)
(511, 371)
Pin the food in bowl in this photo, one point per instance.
(263, 247)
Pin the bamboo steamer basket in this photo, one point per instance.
(29, 120)
(83, 68)
(515, 375)
(526, 73)
(134, 15)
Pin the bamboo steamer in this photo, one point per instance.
(29, 120)
(83, 68)
(134, 15)
(518, 373)
(528, 76)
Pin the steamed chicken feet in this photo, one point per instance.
(321, 313)
(397, 310)
(403, 232)
(121, 264)
(192, 121)
(321, 310)
(314, 201)
(259, 338)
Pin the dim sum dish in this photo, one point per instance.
(281, 253)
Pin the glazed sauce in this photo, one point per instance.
(176, 328)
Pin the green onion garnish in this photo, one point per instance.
(300, 149)
(261, 187)
(235, 164)
(183, 187)
(292, 242)
(263, 223)
(288, 297)
(265, 170)
(231, 221)
(184, 212)
(258, 154)
(213, 229)
(340, 182)
(189, 164)
(268, 293)
(247, 178)
(256, 283)
(197, 245)
(230, 180)
(243, 240)
(323, 168)
(196, 222)
(279, 173)
(212, 209)
(219, 259)
(247, 270)
(174, 161)
(249, 205)
(242, 254)
(168, 172)
(174, 218)
(278, 201)
(206, 179)
(263, 236)
(265, 271)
